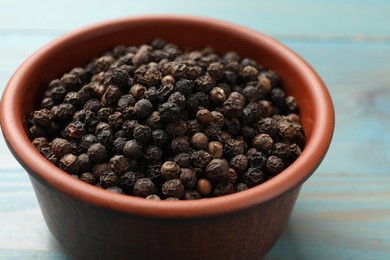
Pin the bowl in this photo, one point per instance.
(93, 223)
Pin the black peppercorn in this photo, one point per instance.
(184, 86)
(223, 188)
(153, 197)
(119, 164)
(234, 105)
(143, 108)
(240, 187)
(170, 170)
(169, 112)
(88, 177)
(40, 142)
(144, 187)
(106, 138)
(142, 133)
(99, 169)
(84, 162)
(192, 195)
(204, 186)
(274, 165)
(153, 154)
(159, 137)
(109, 179)
(97, 153)
(180, 144)
(173, 188)
(115, 190)
(254, 176)
(132, 149)
(60, 147)
(263, 143)
(93, 104)
(200, 158)
(69, 163)
(62, 112)
(75, 130)
(199, 141)
(217, 170)
(239, 163)
(188, 177)
(86, 141)
(183, 160)
(127, 181)
(42, 117)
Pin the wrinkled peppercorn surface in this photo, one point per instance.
(158, 122)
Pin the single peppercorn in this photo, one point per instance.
(119, 164)
(215, 149)
(97, 153)
(191, 195)
(188, 177)
(115, 190)
(143, 108)
(142, 133)
(170, 170)
(153, 197)
(85, 164)
(254, 176)
(144, 187)
(223, 188)
(42, 117)
(75, 130)
(106, 138)
(99, 169)
(240, 187)
(159, 137)
(169, 112)
(263, 143)
(217, 170)
(109, 179)
(274, 165)
(199, 141)
(234, 105)
(180, 144)
(88, 177)
(69, 163)
(183, 160)
(132, 149)
(204, 116)
(153, 154)
(40, 142)
(200, 158)
(60, 147)
(204, 186)
(127, 181)
(173, 188)
(239, 163)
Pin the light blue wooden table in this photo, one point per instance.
(343, 211)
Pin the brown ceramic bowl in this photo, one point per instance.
(93, 223)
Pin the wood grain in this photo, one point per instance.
(343, 211)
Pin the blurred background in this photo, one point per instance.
(343, 211)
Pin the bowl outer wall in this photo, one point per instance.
(76, 48)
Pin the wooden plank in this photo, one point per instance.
(356, 19)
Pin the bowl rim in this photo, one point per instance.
(47, 173)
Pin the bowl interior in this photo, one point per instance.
(77, 48)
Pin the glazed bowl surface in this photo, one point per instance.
(93, 223)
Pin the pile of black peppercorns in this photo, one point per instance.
(157, 122)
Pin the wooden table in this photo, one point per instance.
(343, 211)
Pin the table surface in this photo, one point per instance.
(343, 211)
